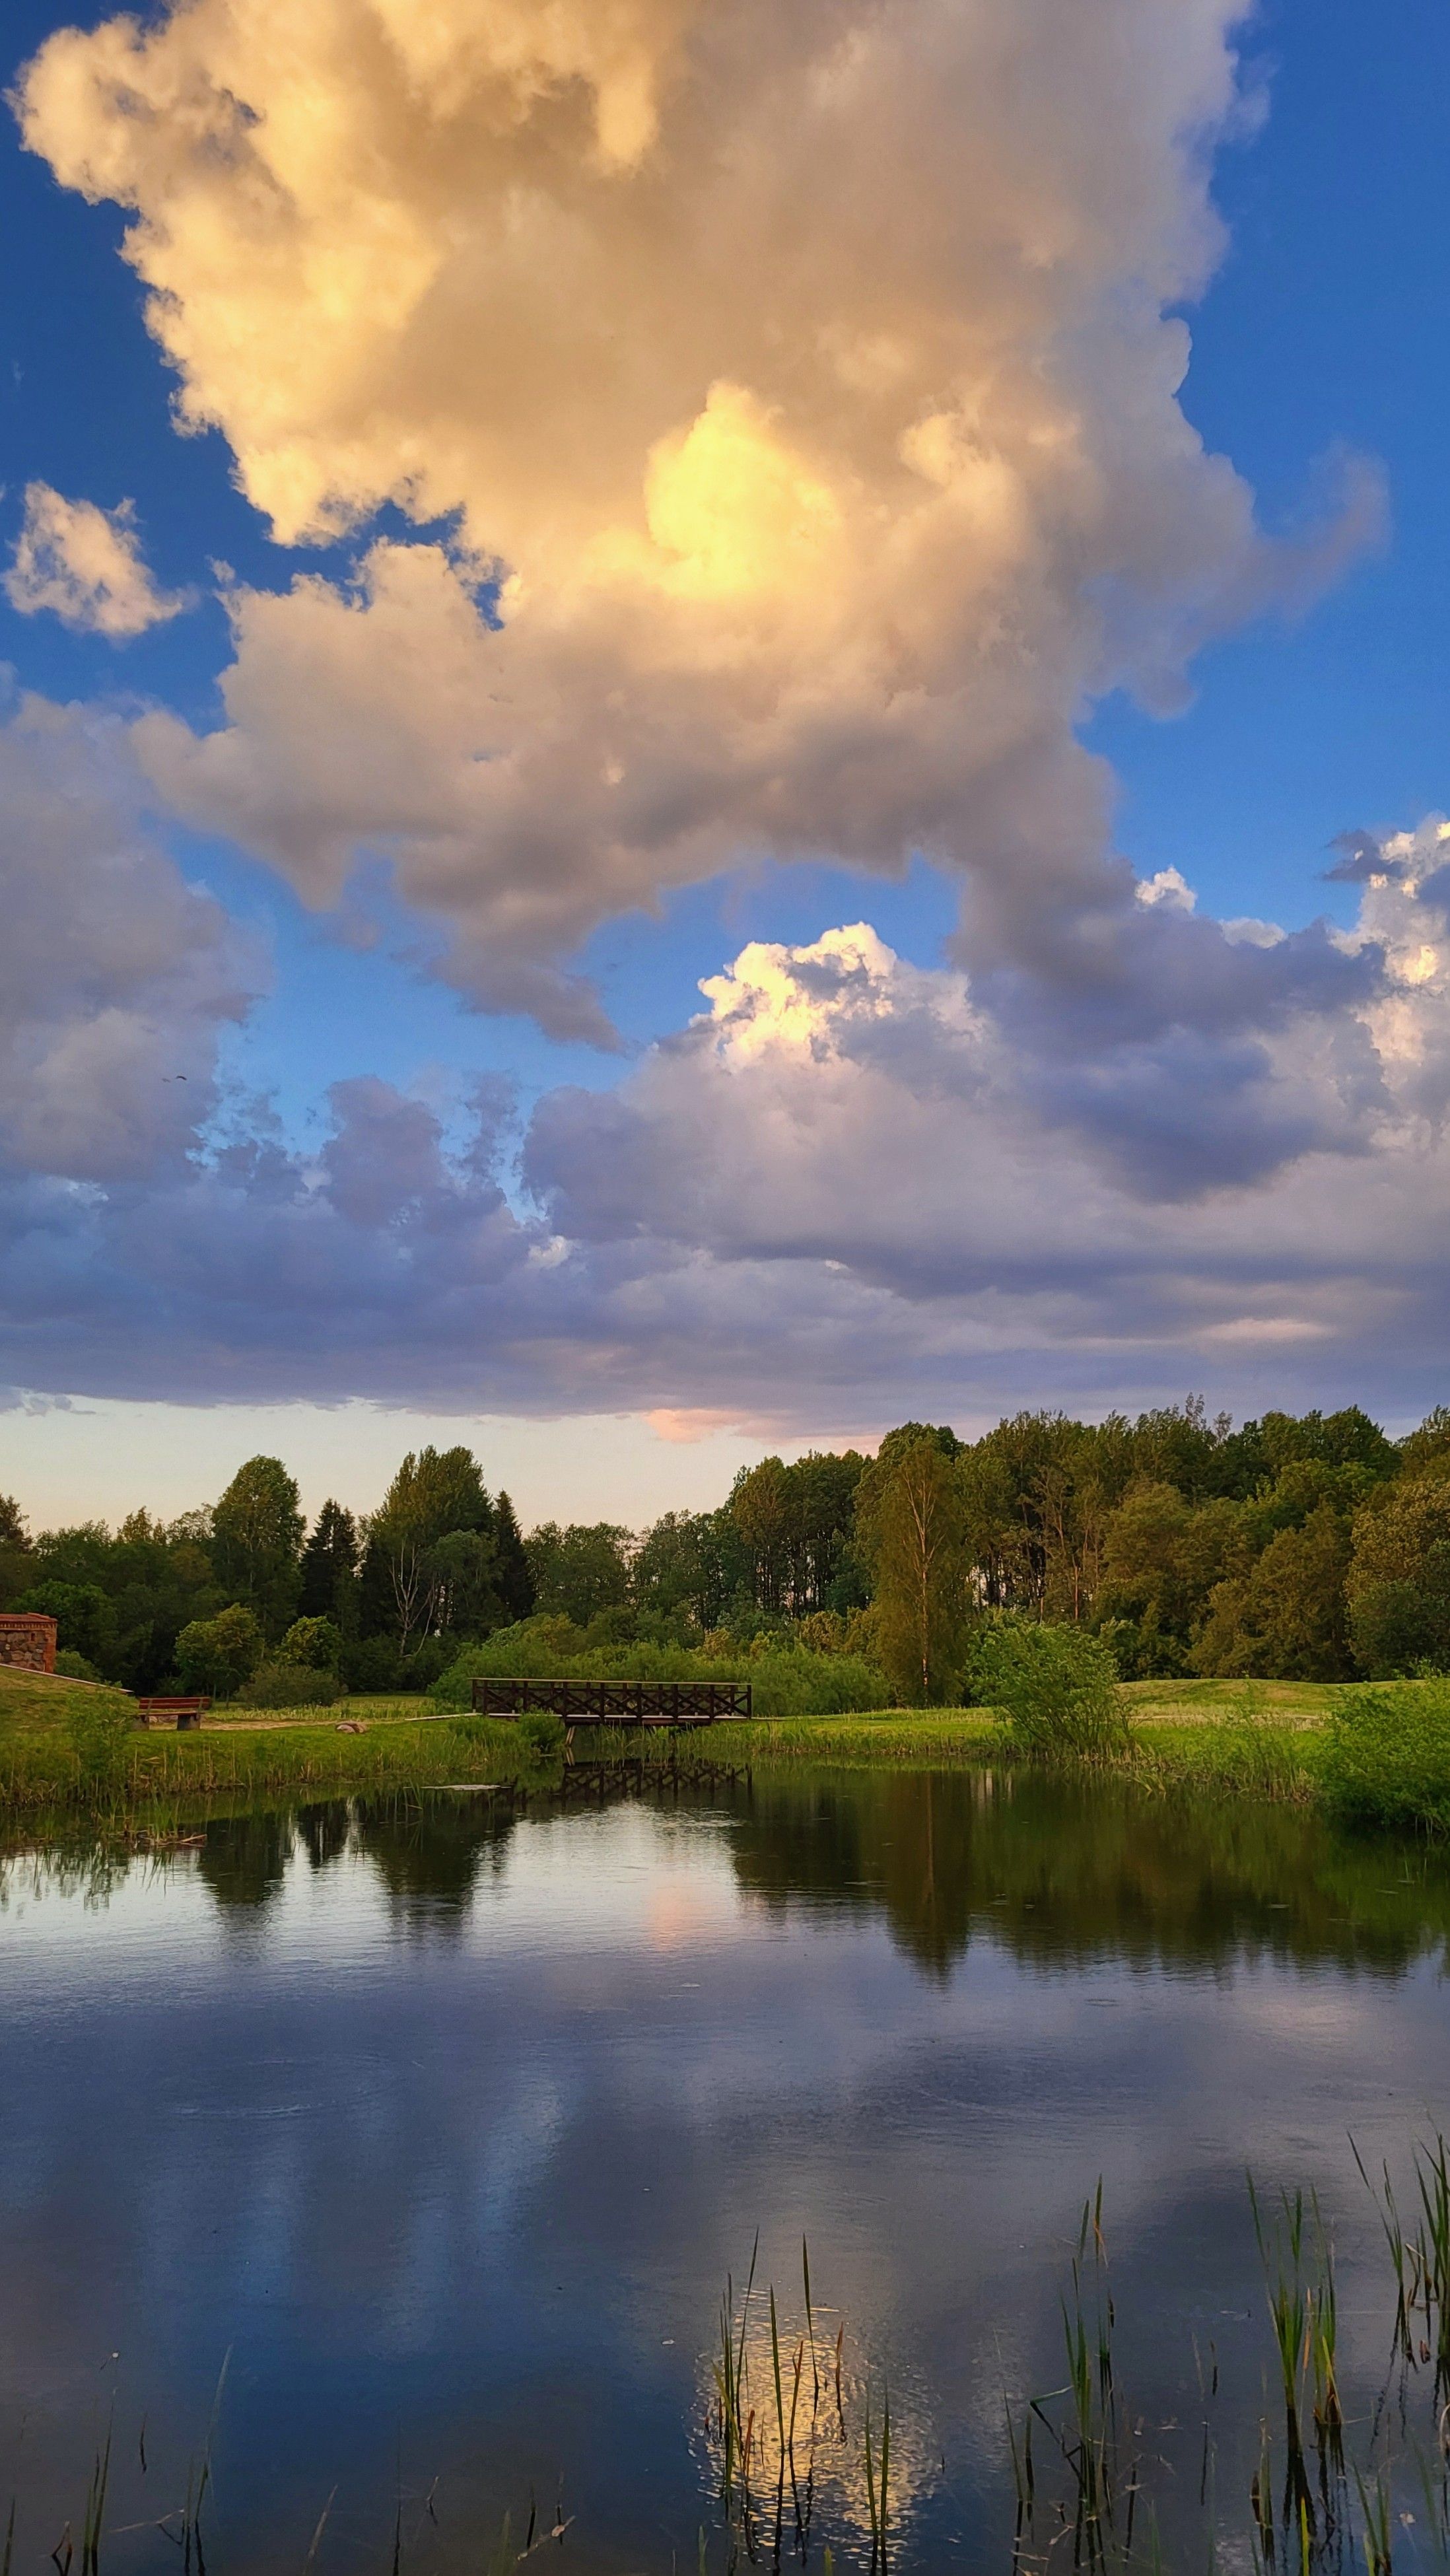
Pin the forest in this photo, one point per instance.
(1310, 1547)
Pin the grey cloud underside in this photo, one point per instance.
(226, 1290)
(850, 1190)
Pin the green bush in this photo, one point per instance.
(282, 1685)
(542, 1733)
(1386, 1757)
(315, 1642)
(75, 1667)
(1056, 1687)
(786, 1681)
(370, 1665)
(218, 1655)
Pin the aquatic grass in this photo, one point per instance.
(878, 2479)
(96, 2504)
(1082, 2419)
(752, 2486)
(1305, 2507)
(1421, 2264)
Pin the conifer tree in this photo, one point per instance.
(330, 1568)
(512, 1579)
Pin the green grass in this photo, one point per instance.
(303, 1754)
(1377, 1754)
(1183, 1702)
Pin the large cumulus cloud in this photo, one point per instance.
(786, 405)
(804, 387)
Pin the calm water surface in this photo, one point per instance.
(449, 2129)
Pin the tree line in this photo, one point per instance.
(1308, 1547)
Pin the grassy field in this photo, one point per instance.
(66, 1746)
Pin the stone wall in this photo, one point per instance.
(27, 1639)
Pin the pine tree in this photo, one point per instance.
(329, 1570)
(512, 1579)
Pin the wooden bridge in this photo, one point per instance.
(616, 1703)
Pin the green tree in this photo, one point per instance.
(15, 1567)
(317, 1643)
(1284, 1620)
(155, 1580)
(256, 1531)
(825, 1572)
(1398, 1583)
(218, 1655)
(690, 1566)
(761, 1508)
(435, 1492)
(912, 1527)
(464, 1567)
(1161, 1557)
(1346, 1439)
(579, 1571)
(512, 1577)
(1426, 1452)
(329, 1570)
(85, 1619)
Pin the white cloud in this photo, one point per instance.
(1169, 887)
(807, 375)
(85, 565)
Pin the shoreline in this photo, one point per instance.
(1260, 1740)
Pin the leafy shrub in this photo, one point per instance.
(315, 1642)
(542, 1733)
(282, 1685)
(218, 1655)
(1386, 1757)
(75, 1667)
(370, 1664)
(99, 1726)
(1056, 1687)
(535, 1738)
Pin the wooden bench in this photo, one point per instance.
(179, 1711)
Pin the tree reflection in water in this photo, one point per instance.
(1060, 1870)
(1068, 1870)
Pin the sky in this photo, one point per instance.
(718, 728)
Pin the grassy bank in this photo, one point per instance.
(1377, 1754)
(64, 1745)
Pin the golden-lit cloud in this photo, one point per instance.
(801, 384)
(85, 565)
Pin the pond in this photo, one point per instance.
(434, 2135)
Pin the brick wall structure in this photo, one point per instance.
(27, 1640)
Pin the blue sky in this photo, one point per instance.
(1321, 332)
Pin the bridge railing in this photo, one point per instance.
(615, 1703)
